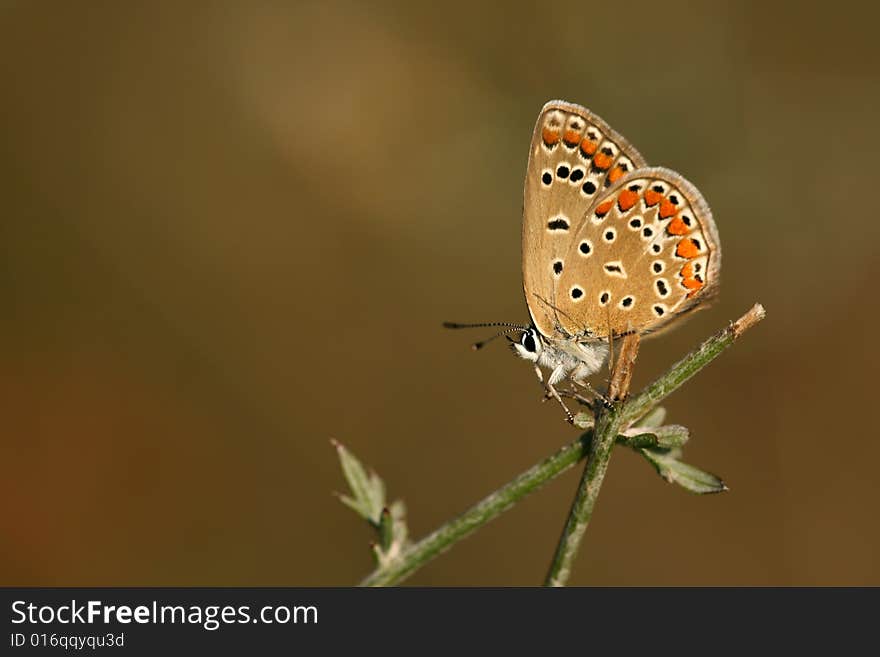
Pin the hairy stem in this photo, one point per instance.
(582, 507)
(478, 515)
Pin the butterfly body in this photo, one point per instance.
(566, 358)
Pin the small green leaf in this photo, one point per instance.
(352, 504)
(393, 534)
(368, 491)
(367, 499)
(386, 529)
(671, 436)
(375, 497)
(638, 440)
(666, 437)
(687, 476)
(584, 420)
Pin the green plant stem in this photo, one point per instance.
(441, 539)
(478, 515)
(585, 499)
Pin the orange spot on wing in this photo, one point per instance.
(687, 248)
(627, 199)
(652, 198)
(614, 174)
(688, 270)
(588, 147)
(667, 209)
(603, 208)
(692, 283)
(571, 137)
(550, 137)
(676, 226)
(602, 161)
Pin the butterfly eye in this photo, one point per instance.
(529, 342)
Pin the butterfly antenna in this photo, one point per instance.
(456, 325)
(482, 343)
(511, 327)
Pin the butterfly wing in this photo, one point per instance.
(574, 157)
(647, 252)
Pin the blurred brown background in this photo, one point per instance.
(231, 231)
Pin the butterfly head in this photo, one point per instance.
(530, 345)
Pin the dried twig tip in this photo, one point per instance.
(755, 314)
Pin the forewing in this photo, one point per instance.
(647, 252)
(574, 157)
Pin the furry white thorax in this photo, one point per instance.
(564, 358)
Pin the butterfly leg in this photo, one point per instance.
(596, 394)
(571, 393)
(551, 391)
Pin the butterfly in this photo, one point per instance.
(610, 247)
